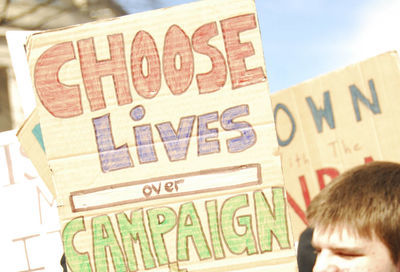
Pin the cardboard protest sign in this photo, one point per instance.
(334, 122)
(159, 136)
(30, 238)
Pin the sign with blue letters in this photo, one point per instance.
(334, 122)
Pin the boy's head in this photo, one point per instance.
(360, 208)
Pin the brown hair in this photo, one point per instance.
(364, 199)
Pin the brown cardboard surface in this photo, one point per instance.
(160, 138)
(355, 121)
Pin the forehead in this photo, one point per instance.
(338, 237)
(349, 250)
(342, 239)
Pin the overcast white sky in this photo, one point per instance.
(306, 38)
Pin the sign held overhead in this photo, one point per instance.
(159, 134)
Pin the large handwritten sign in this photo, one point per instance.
(160, 140)
(336, 121)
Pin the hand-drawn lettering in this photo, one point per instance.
(215, 79)
(178, 61)
(235, 228)
(214, 223)
(132, 229)
(24, 239)
(298, 160)
(325, 112)
(93, 69)
(143, 137)
(176, 143)
(111, 158)
(104, 238)
(248, 135)
(147, 81)
(64, 101)
(357, 95)
(340, 147)
(60, 100)
(237, 243)
(283, 107)
(50, 204)
(76, 260)
(271, 222)
(161, 221)
(237, 52)
(205, 135)
(321, 173)
(189, 227)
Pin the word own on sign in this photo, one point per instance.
(334, 122)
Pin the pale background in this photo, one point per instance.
(306, 38)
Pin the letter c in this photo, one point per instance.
(60, 100)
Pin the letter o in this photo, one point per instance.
(291, 136)
(144, 47)
(147, 191)
(177, 44)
